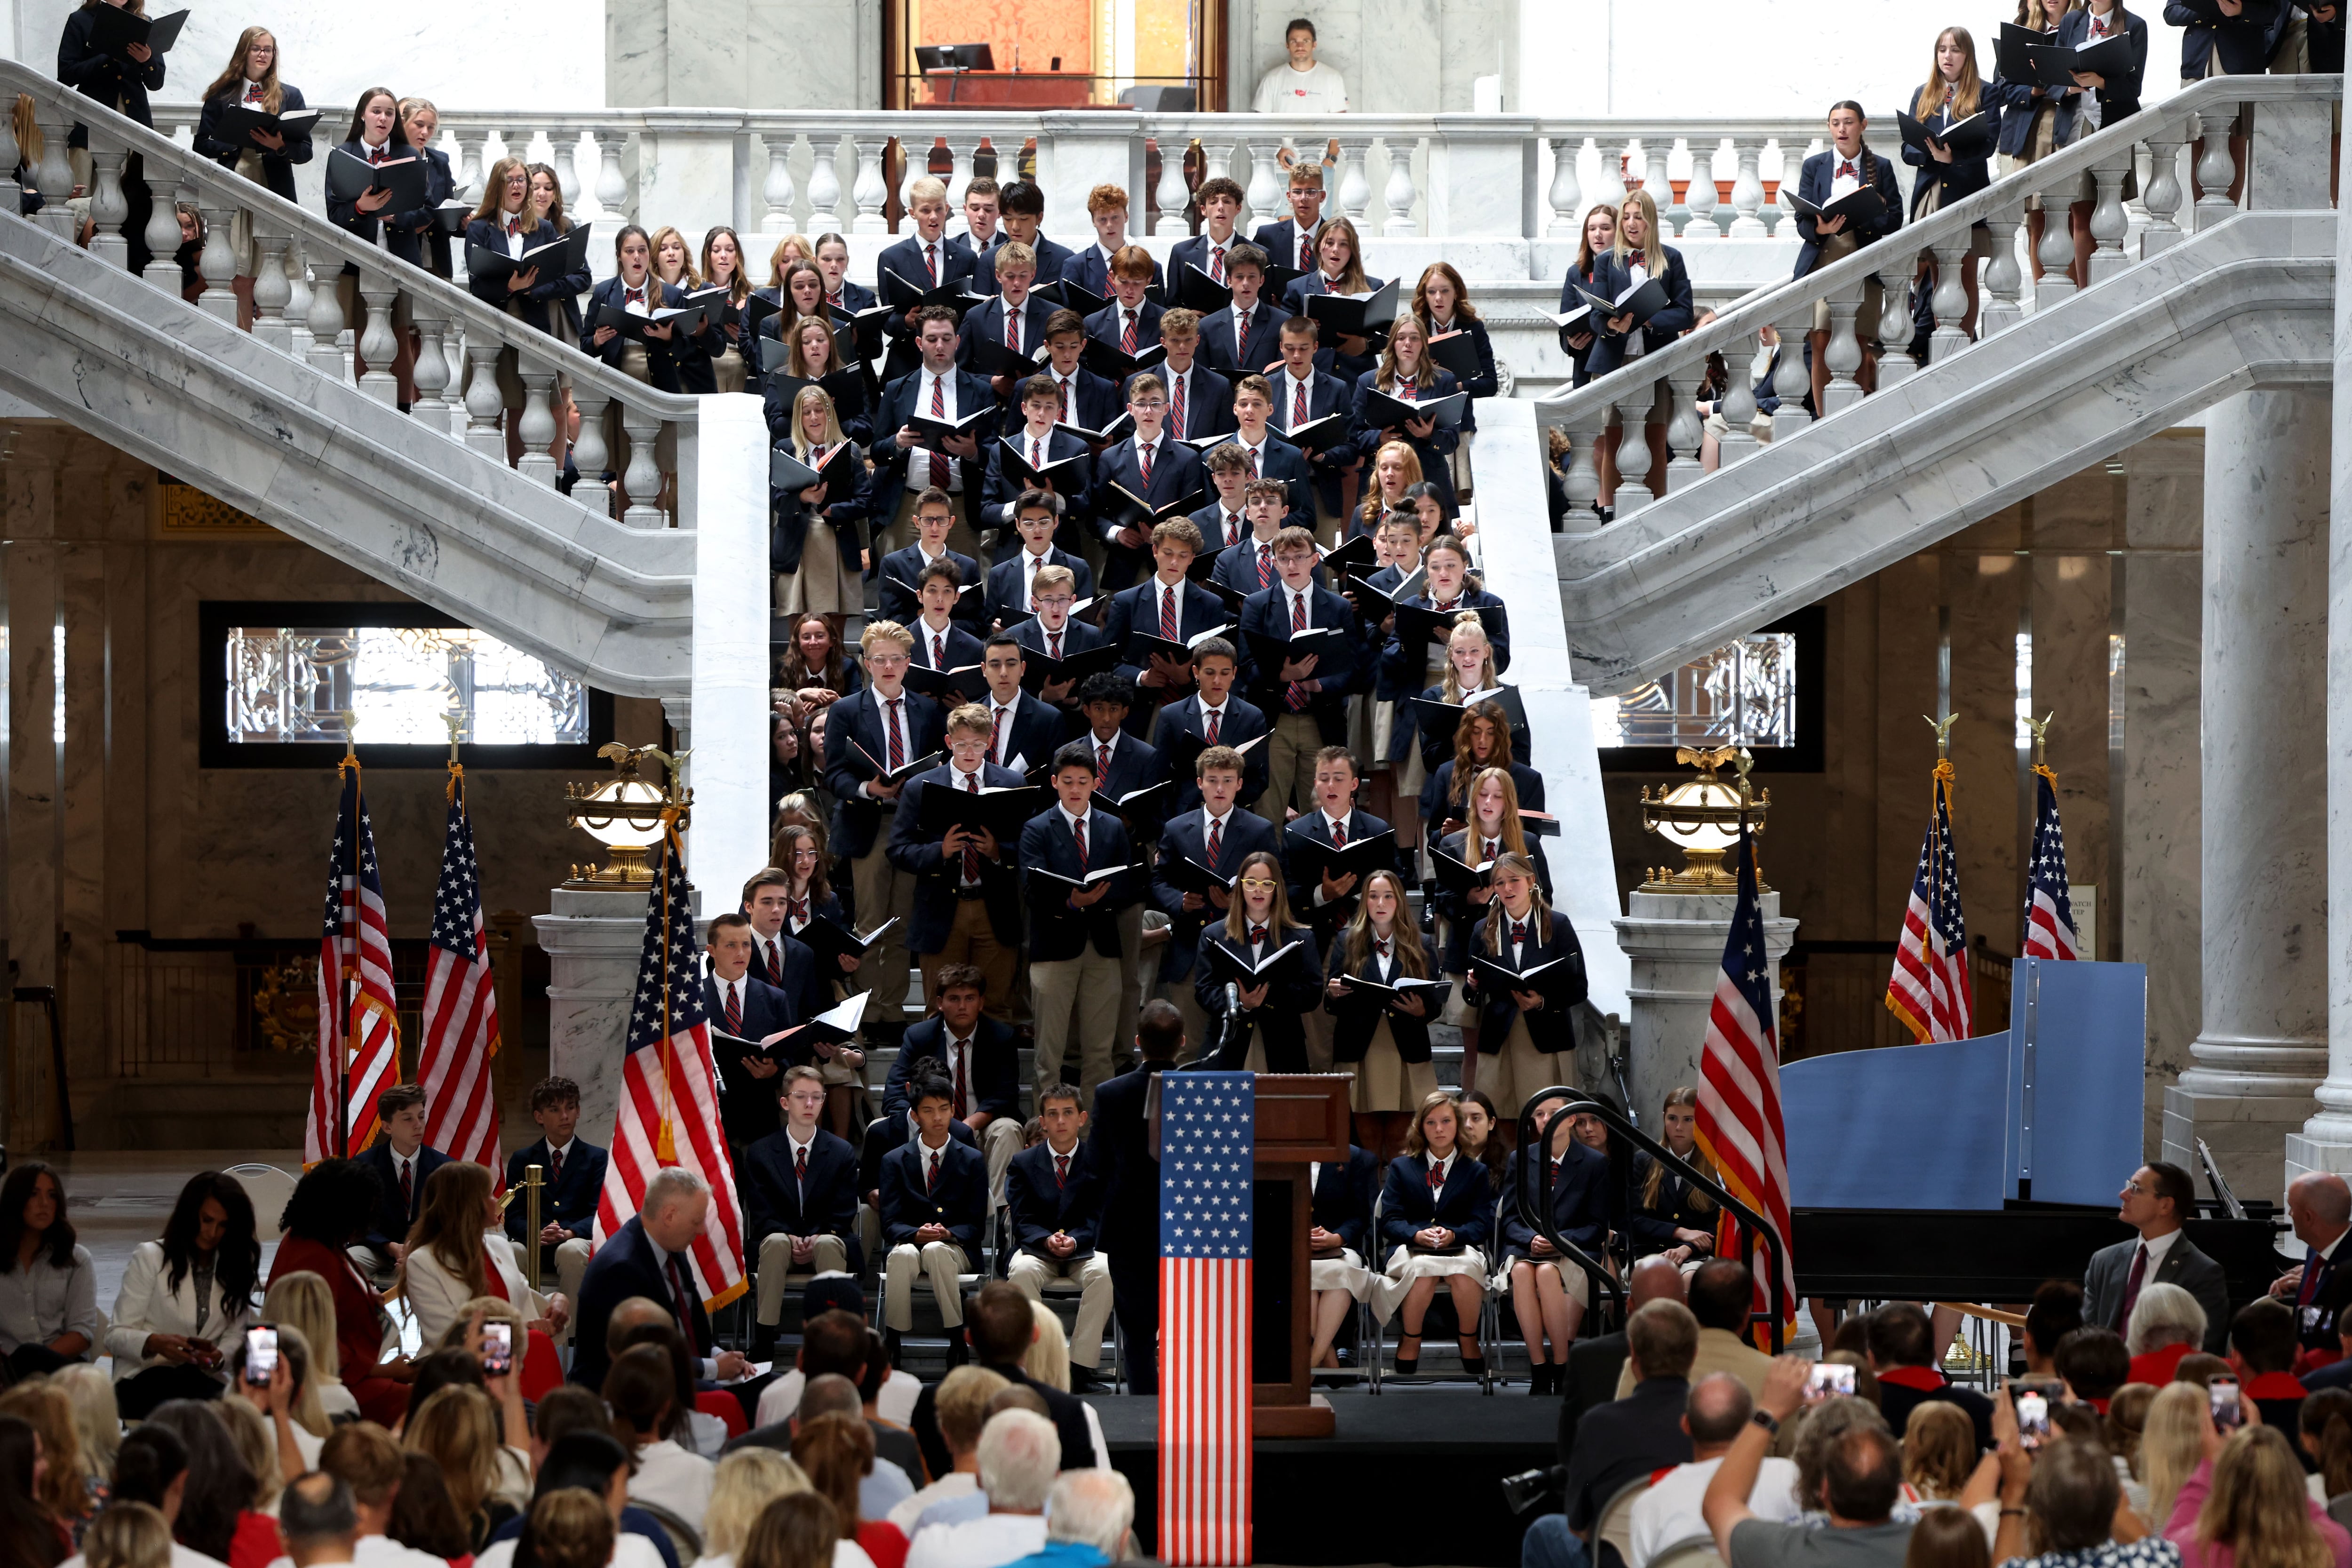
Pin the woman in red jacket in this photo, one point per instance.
(327, 1214)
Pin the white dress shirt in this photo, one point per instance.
(1287, 400)
(1299, 607)
(893, 718)
(1669, 1510)
(670, 1477)
(989, 1542)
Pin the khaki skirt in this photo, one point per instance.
(1405, 1265)
(1346, 1272)
(1510, 1076)
(729, 369)
(826, 584)
(1384, 1083)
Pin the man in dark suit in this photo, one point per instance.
(1291, 242)
(1076, 974)
(925, 260)
(749, 1010)
(1215, 819)
(967, 893)
(978, 1056)
(1016, 318)
(1210, 715)
(880, 728)
(799, 1198)
(900, 584)
(1304, 393)
(1902, 1353)
(2155, 1202)
(1595, 1361)
(1242, 338)
(1124, 765)
(573, 1172)
(778, 958)
(646, 1257)
(1307, 695)
(1200, 401)
(1056, 1202)
(403, 1163)
(884, 1135)
(1119, 1150)
(934, 389)
(2320, 1205)
(934, 1204)
(1606, 1445)
(1000, 1330)
(1026, 460)
(1267, 455)
(1167, 605)
(1150, 467)
(1095, 268)
(1082, 398)
(1023, 206)
(1023, 730)
(1053, 634)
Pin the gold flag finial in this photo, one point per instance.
(1943, 728)
(2041, 734)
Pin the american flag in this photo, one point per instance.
(1740, 1126)
(1929, 987)
(359, 1026)
(2049, 907)
(461, 1008)
(669, 1088)
(1206, 1122)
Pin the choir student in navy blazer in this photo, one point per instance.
(1550, 1293)
(1291, 241)
(1215, 667)
(902, 458)
(1490, 830)
(1525, 1041)
(1076, 967)
(634, 288)
(1023, 206)
(1303, 393)
(1829, 174)
(2215, 43)
(1381, 1041)
(506, 222)
(1054, 633)
(1174, 544)
(1338, 661)
(251, 80)
(1038, 518)
(1339, 269)
(813, 358)
(1323, 900)
(1082, 398)
(1595, 239)
(1054, 1198)
(1273, 1012)
(925, 260)
(567, 1201)
(935, 1204)
(1174, 473)
(1218, 777)
(1131, 322)
(1406, 374)
(1482, 739)
(986, 1082)
(952, 872)
(899, 583)
(1093, 266)
(1437, 1219)
(1244, 336)
(1022, 728)
(1039, 442)
(1441, 303)
(818, 549)
(2117, 98)
(1015, 318)
(800, 1195)
(419, 120)
(1207, 397)
(376, 136)
(1952, 93)
(1211, 250)
(1640, 253)
(747, 1093)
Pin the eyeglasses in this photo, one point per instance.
(1149, 407)
(1257, 882)
(1055, 600)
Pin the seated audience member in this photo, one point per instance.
(962, 1409)
(885, 1137)
(424, 1517)
(457, 1429)
(1610, 1443)
(1019, 1456)
(1001, 1327)
(836, 1453)
(1549, 1294)
(582, 1454)
(646, 1258)
(151, 1469)
(364, 1458)
(2263, 1352)
(1940, 1451)
(892, 1397)
(2323, 1439)
(2167, 1324)
(1862, 1481)
(2175, 1441)
(2064, 1514)
(1048, 1359)
(642, 1391)
(2055, 1312)
(573, 1171)
(746, 1481)
(1901, 1353)
(303, 1301)
(1339, 1238)
(1722, 1294)
(934, 1204)
(2320, 1205)
(319, 1519)
(1719, 1411)
(38, 1418)
(2094, 1364)
(1090, 1520)
(454, 1254)
(98, 1426)
(891, 1479)
(127, 1535)
(799, 1186)
(574, 1527)
(1437, 1218)
(49, 1314)
(332, 1205)
(978, 1056)
(1055, 1198)
(186, 1298)
(402, 1164)
(1667, 1213)
(2157, 1201)
(838, 1350)
(2248, 1504)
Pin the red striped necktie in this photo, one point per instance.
(938, 411)
(1293, 695)
(1168, 612)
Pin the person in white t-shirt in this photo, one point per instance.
(1019, 1453)
(1301, 85)
(1719, 1407)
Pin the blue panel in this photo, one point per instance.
(2084, 1026)
(1907, 1127)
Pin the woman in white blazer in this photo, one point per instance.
(187, 1299)
(456, 1252)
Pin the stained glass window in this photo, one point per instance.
(290, 685)
(1744, 692)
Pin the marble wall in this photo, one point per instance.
(1400, 57)
(747, 54)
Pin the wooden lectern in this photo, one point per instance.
(1302, 1118)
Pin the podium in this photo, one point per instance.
(1302, 1119)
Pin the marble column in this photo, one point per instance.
(2262, 1047)
(593, 940)
(1676, 942)
(728, 767)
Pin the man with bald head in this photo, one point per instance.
(2320, 1205)
(2156, 1202)
(1594, 1363)
(1719, 1407)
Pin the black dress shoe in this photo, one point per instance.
(1087, 1380)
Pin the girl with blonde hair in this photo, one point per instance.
(1437, 1218)
(1380, 1040)
(746, 1482)
(2248, 1508)
(809, 353)
(1668, 1215)
(1396, 469)
(452, 1258)
(1525, 1038)
(1639, 254)
(1954, 170)
(816, 550)
(1257, 925)
(304, 1301)
(697, 355)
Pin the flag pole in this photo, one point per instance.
(344, 943)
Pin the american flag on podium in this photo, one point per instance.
(461, 1007)
(1928, 989)
(669, 1088)
(1207, 1124)
(2049, 906)
(359, 1023)
(1740, 1126)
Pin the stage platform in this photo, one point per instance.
(1411, 1476)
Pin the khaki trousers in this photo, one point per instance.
(1077, 1003)
(571, 1267)
(972, 940)
(941, 1262)
(1290, 765)
(1092, 1273)
(883, 890)
(832, 1257)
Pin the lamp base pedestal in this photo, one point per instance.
(593, 940)
(1676, 942)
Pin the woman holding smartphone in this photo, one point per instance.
(186, 1298)
(458, 1251)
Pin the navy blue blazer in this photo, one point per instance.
(1497, 1012)
(898, 587)
(905, 257)
(1584, 1200)
(628, 1264)
(1040, 1205)
(777, 1203)
(747, 1105)
(1095, 404)
(1326, 394)
(884, 1135)
(851, 407)
(2017, 102)
(936, 878)
(1813, 181)
(402, 240)
(959, 647)
(1109, 324)
(999, 493)
(277, 168)
(1118, 1147)
(1243, 723)
(1194, 252)
(1326, 919)
(858, 717)
(1260, 346)
(1343, 1197)
(959, 1202)
(1337, 660)
(854, 296)
(1077, 636)
(806, 991)
(1135, 764)
(1962, 176)
(1281, 1020)
(1357, 1018)
(2120, 96)
(1090, 270)
(988, 322)
(1176, 472)
(1186, 836)
(1008, 604)
(390, 1221)
(2245, 40)
(1056, 930)
(532, 304)
(1612, 276)
(1208, 401)
(1435, 449)
(1033, 735)
(1280, 243)
(1486, 382)
(569, 1200)
(1466, 1206)
(1462, 916)
(995, 1085)
(1237, 568)
(661, 359)
(891, 461)
(83, 65)
(1052, 257)
(1138, 608)
(1211, 521)
(1438, 802)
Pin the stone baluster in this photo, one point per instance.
(914, 163)
(1217, 158)
(106, 206)
(1174, 195)
(1354, 187)
(216, 262)
(11, 154)
(1266, 183)
(1658, 181)
(378, 346)
(870, 192)
(1400, 193)
(473, 163)
(606, 187)
(1738, 405)
(588, 454)
(1634, 490)
(1565, 197)
(272, 293)
(1844, 352)
(162, 231)
(1610, 189)
(1896, 326)
(2215, 170)
(1950, 299)
(1684, 426)
(564, 157)
(643, 478)
(777, 189)
(2162, 194)
(1793, 381)
(538, 421)
(1702, 198)
(1748, 191)
(431, 371)
(959, 156)
(2056, 284)
(484, 403)
(1582, 477)
(2001, 282)
(298, 299)
(54, 178)
(2109, 223)
(326, 320)
(825, 210)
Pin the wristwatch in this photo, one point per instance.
(1765, 1419)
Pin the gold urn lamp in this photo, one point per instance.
(624, 814)
(1701, 817)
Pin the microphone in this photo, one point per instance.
(1233, 997)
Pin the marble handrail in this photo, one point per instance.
(295, 308)
(2289, 146)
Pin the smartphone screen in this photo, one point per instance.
(497, 1350)
(260, 1354)
(2033, 1417)
(1826, 1379)
(2227, 1413)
